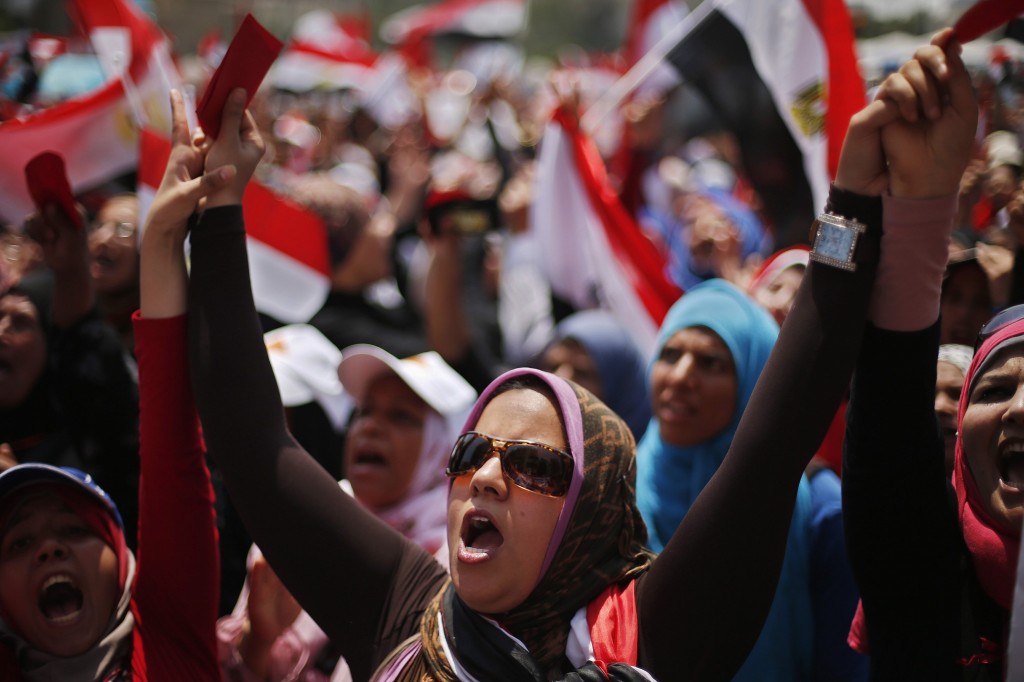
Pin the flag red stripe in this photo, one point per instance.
(272, 219)
(845, 89)
(108, 94)
(641, 264)
(357, 56)
(154, 152)
(286, 227)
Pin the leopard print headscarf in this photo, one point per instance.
(600, 538)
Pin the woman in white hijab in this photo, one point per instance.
(407, 416)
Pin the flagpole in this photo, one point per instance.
(134, 101)
(622, 88)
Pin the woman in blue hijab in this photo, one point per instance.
(710, 351)
(593, 349)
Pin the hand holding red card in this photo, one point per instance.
(48, 184)
(985, 16)
(249, 57)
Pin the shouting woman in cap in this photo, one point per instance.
(75, 604)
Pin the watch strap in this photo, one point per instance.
(863, 209)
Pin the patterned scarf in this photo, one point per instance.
(602, 543)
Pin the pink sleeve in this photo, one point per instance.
(909, 280)
(177, 588)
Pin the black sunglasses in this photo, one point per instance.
(1000, 320)
(531, 466)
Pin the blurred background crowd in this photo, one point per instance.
(403, 206)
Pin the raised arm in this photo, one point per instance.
(726, 555)
(336, 558)
(894, 476)
(177, 590)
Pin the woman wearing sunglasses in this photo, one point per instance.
(549, 578)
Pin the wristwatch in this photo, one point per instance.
(835, 241)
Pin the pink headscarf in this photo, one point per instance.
(993, 552)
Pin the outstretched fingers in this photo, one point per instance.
(179, 121)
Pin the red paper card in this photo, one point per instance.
(985, 16)
(48, 184)
(246, 62)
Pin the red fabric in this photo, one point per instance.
(858, 637)
(246, 62)
(831, 449)
(993, 551)
(154, 153)
(985, 16)
(48, 184)
(287, 227)
(614, 629)
(641, 263)
(177, 586)
(982, 214)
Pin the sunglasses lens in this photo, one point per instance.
(537, 469)
(469, 453)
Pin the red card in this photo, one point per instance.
(48, 184)
(246, 62)
(986, 16)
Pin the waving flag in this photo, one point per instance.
(594, 253)
(97, 133)
(783, 78)
(478, 18)
(326, 49)
(650, 21)
(289, 263)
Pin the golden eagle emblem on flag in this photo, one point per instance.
(808, 109)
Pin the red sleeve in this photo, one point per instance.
(177, 581)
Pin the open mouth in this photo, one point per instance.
(481, 534)
(369, 458)
(1011, 465)
(60, 600)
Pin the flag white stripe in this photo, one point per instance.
(790, 55)
(284, 288)
(577, 258)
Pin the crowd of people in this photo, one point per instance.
(451, 474)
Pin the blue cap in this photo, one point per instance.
(25, 474)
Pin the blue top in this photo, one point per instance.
(804, 636)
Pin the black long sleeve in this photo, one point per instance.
(900, 529)
(360, 580)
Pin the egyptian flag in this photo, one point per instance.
(476, 18)
(782, 77)
(411, 29)
(593, 253)
(649, 22)
(96, 133)
(326, 50)
(289, 262)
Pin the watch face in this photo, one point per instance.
(834, 242)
